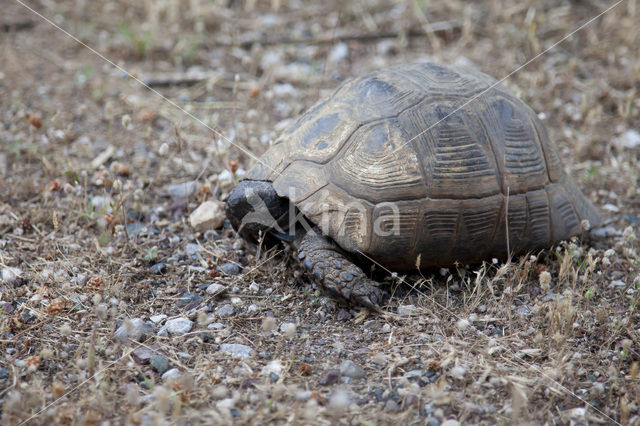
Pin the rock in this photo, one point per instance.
(391, 406)
(237, 350)
(182, 190)
(338, 53)
(229, 268)
(404, 310)
(450, 422)
(179, 326)
(134, 329)
(630, 139)
(273, 367)
(225, 310)
(158, 268)
(10, 275)
(215, 289)
(254, 287)
(143, 354)
(215, 326)
(160, 363)
(4, 373)
(607, 231)
(208, 215)
(192, 299)
(288, 329)
(458, 372)
(351, 369)
(193, 250)
(330, 377)
(173, 373)
(158, 318)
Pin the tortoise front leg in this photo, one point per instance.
(336, 273)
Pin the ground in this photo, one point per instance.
(115, 309)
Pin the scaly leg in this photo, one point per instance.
(336, 273)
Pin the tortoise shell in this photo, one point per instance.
(440, 156)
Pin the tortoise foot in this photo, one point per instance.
(336, 274)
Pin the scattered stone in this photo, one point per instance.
(208, 215)
(173, 373)
(338, 53)
(215, 326)
(215, 289)
(10, 275)
(404, 310)
(349, 368)
(630, 139)
(4, 373)
(607, 231)
(458, 372)
(254, 287)
(192, 299)
(162, 332)
(339, 400)
(136, 228)
(288, 329)
(611, 208)
(182, 190)
(274, 367)
(160, 363)
(391, 406)
(225, 310)
(158, 318)
(386, 328)
(179, 326)
(193, 250)
(158, 268)
(143, 354)
(135, 329)
(229, 268)
(237, 350)
(617, 283)
(343, 315)
(450, 422)
(330, 377)
(253, 308)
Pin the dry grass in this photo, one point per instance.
(86, 154)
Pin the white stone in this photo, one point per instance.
(215, 288)
(179, 325)
(237, 350)
(209, 215)
(171, 374)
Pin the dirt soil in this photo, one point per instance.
(115, 310)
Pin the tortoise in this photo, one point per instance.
(412, 166)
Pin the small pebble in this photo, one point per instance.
(182, 190)
(237, 350)
(215, 288)
(391, 406)
(209, 215)
(134, 329)
(404, 310)
(458, 372)
(225, 310)
(288, 329)
(229, 268)
(330, 377)
(171, 374)
(350, 369)
(193, 250)
(254, 287)
(160, 363)
(450, 423)
(158, 268)
(215, 326)
(158, 318)
(179, 326)
(4, 373)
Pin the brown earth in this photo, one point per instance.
(95, 236)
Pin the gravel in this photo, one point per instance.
(179, 326)
(349, 368)
(229, 268)
(225, 310)
(237, 350)
(135, 329)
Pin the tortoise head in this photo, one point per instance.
(254, 207)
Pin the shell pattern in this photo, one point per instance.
(400, 164)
